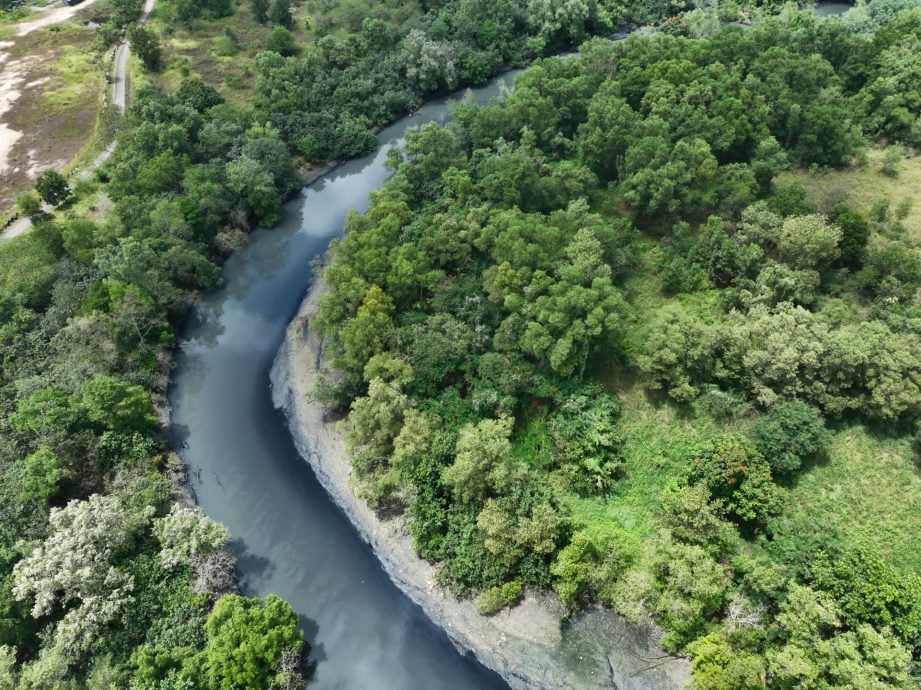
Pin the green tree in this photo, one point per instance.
(778, 283)
(280, 13)
(678, 353)
(769, 159)
(736, 474)
(246, 641)
(52, 187)
(808, 241)
(604, 137)
(568, 314)
(692, 517)
(790, 433)
(30, 205)
(261, 10)
(41, 476)
(281, 41)
(77, 567)
(365, 335)
(855, 234)
(117, 405)
(588, 446)
(198, 95)
(717, 666)
(691, 588)
(483, 462)
(591, 564)
(816, 651)
(146, 45)
(374, 422)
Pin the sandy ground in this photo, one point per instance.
(12, 79)
(525, 644)
(51, 15)
(12, 76)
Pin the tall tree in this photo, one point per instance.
(280, 13)
(52, 187)
(261, 10)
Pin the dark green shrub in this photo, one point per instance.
(587, 445)
(788, 434)
(737, 474)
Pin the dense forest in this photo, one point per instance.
(109, 577)
(547, 277)
(588, 338)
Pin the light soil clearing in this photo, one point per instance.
(50, 16)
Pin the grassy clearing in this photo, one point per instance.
(63, 82)
(657, 437)
(868, 492)
(865, 186)
(76, 79)
(219, 52)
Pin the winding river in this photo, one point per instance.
(291, 540)
(289, 537)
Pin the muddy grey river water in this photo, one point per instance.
(291, 540)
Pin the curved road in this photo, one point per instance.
(119, 100)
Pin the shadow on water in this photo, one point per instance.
(289, 538)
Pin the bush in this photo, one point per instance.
(855, 233)
(281, 41)
(692, 588)
(497, 598)
(737, 474)
(788, 434)
(52, 187)
(30, 204)
(591, 564)
(587, 443)
(146, 45)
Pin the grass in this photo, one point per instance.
(863, 186)
(205, 50)
(76, 79)
(656, 439)
(868, 492)
(57, 111)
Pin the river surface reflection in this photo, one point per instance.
(291, 540)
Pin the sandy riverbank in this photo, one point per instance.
(528, 645)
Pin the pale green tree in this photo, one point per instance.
(483, 462)
(808, 241)
(75, 567)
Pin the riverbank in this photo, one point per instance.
(530, 645)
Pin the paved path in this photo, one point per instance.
(119, 100)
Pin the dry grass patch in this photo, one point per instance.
(60, 82)
(865, 186)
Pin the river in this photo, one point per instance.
(289, 537)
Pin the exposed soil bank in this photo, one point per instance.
(529, 646)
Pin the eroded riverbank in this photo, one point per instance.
(529, 645)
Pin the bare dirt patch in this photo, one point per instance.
(50, 15)
(51, 90)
